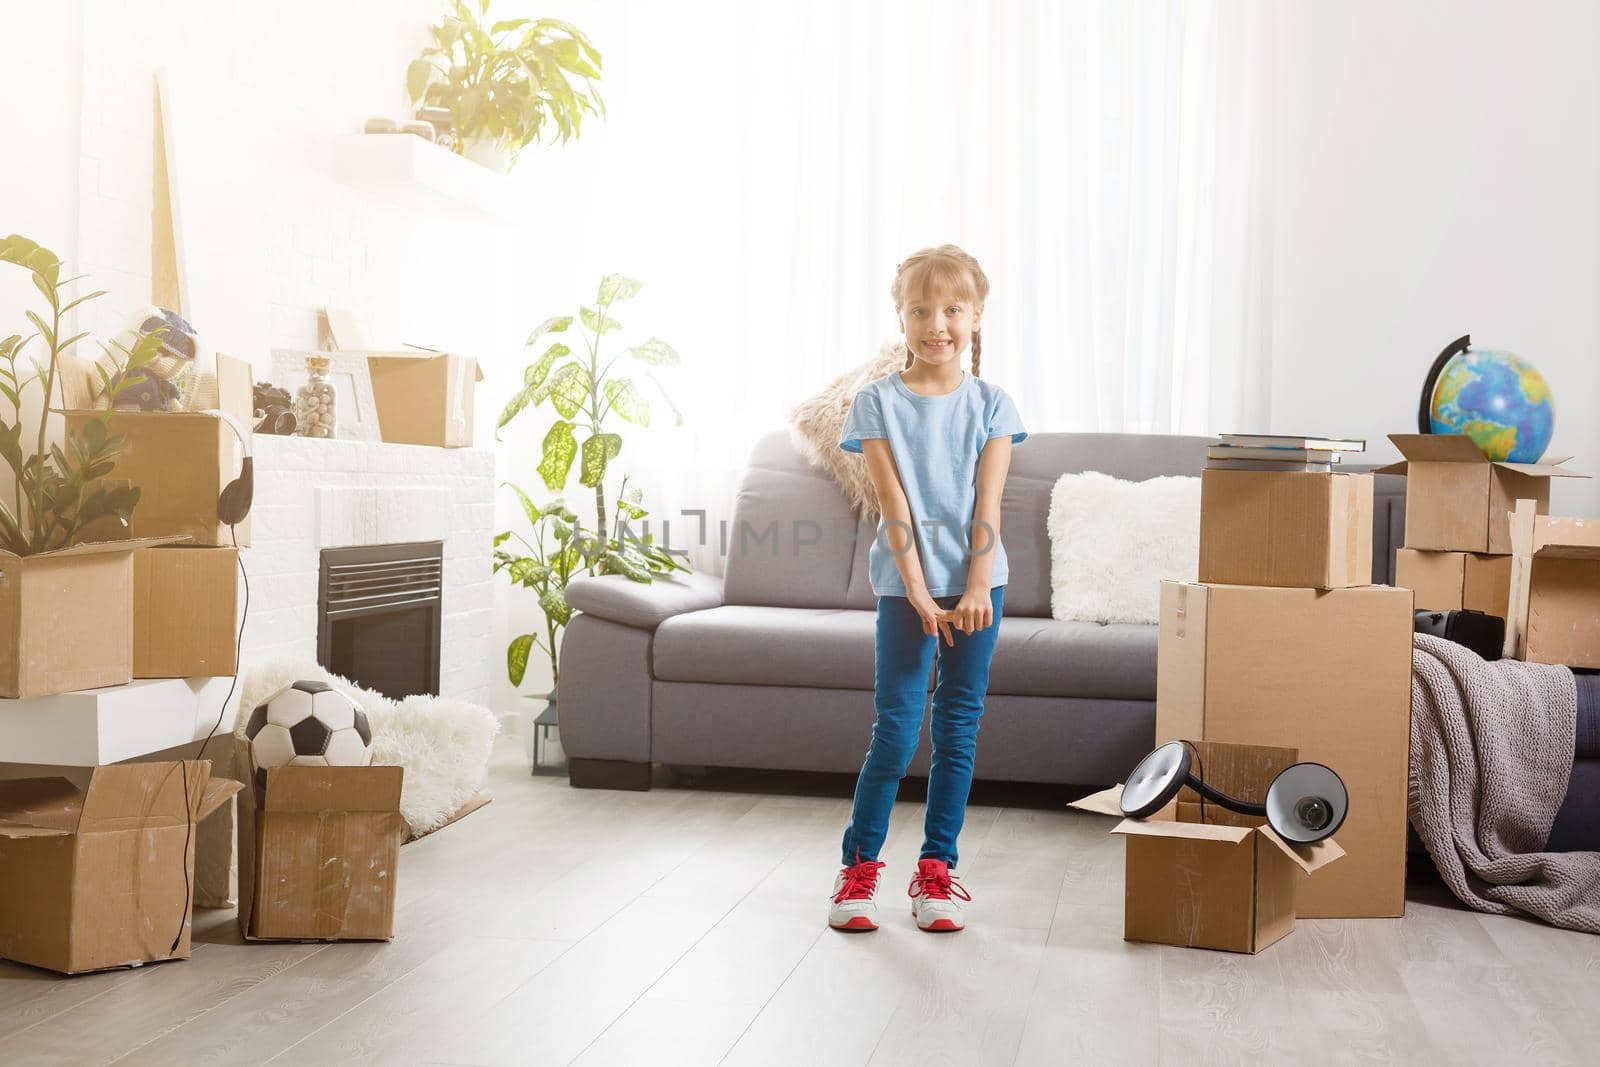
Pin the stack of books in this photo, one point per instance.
(1279, 452)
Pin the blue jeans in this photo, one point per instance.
(904, 657)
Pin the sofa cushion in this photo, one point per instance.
(1034, 471)
(1112, 543)
(793, 536)
(620, 599)
(756, 645)
(834, 649)
(1049, 657)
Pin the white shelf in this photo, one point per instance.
(420, 175)
(94, 727)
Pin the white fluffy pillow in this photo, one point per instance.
(1112, 542)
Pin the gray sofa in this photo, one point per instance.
(772, 666)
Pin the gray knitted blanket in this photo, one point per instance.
(1491, 753)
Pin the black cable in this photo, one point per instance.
(238, 647)
(188, 820)
(1200, 775)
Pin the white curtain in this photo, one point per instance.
(765, 167)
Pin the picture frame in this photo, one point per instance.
(357, 412)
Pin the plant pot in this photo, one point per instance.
(488, 152)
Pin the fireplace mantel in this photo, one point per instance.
(314, 494)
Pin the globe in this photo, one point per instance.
(1499, 400)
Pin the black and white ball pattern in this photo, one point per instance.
(307, 724)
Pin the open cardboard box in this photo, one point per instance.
(1451, 581)
(102, 877)
(50, 605)
(1307, 530)
(1457, 499)
(424, 398)
(1201, 876)
(1554, 615)
(186, 608)
(1327, 673)
(319, 852)
(180, 460)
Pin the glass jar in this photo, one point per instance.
(316, 402)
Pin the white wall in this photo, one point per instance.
(41, 87)
(269, 232)
(1438, 174)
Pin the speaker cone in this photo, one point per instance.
(1306, 803)
(1156, 780)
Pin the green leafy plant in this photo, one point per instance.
(547, 568)
(585, 395)
(59, 490)
(505, 81)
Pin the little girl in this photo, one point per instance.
(938, 446)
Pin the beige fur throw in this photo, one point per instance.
(815, 424)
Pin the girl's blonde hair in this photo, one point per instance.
(948, 268)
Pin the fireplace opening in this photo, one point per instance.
(378, 616)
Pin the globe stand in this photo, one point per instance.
(1425, 406)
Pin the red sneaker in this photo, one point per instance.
(936, 897)
(855, 897)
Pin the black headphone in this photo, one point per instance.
(1305, 803)
(233, 503)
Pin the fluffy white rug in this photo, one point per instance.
(443, 744)
(1112, 542)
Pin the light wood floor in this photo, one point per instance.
(686, 925)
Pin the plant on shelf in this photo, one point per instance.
(58, 491)
(584, 395)
(506, 82)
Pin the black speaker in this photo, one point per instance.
(1305, 803)
(1483, 633)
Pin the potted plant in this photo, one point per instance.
(58, 492)
(585, 396)
(58, 496)
(505, 82)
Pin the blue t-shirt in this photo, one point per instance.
(936, 441)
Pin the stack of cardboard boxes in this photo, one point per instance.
(1285, 648)
(162, 599)
(1458, 548)
(1284, 642)
(186, 596)
(159, 598)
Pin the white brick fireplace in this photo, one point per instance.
(315, 494)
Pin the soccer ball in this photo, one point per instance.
(307, 724)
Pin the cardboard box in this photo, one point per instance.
(1325, 673)
(101, 877)
(180, 460)
(66, 618)
(1206, 877)
(1457, 500)
(1450, 581)
(1555, 589)
(319, 853)
(424, 398)
(185, 612)
(1284, 528)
